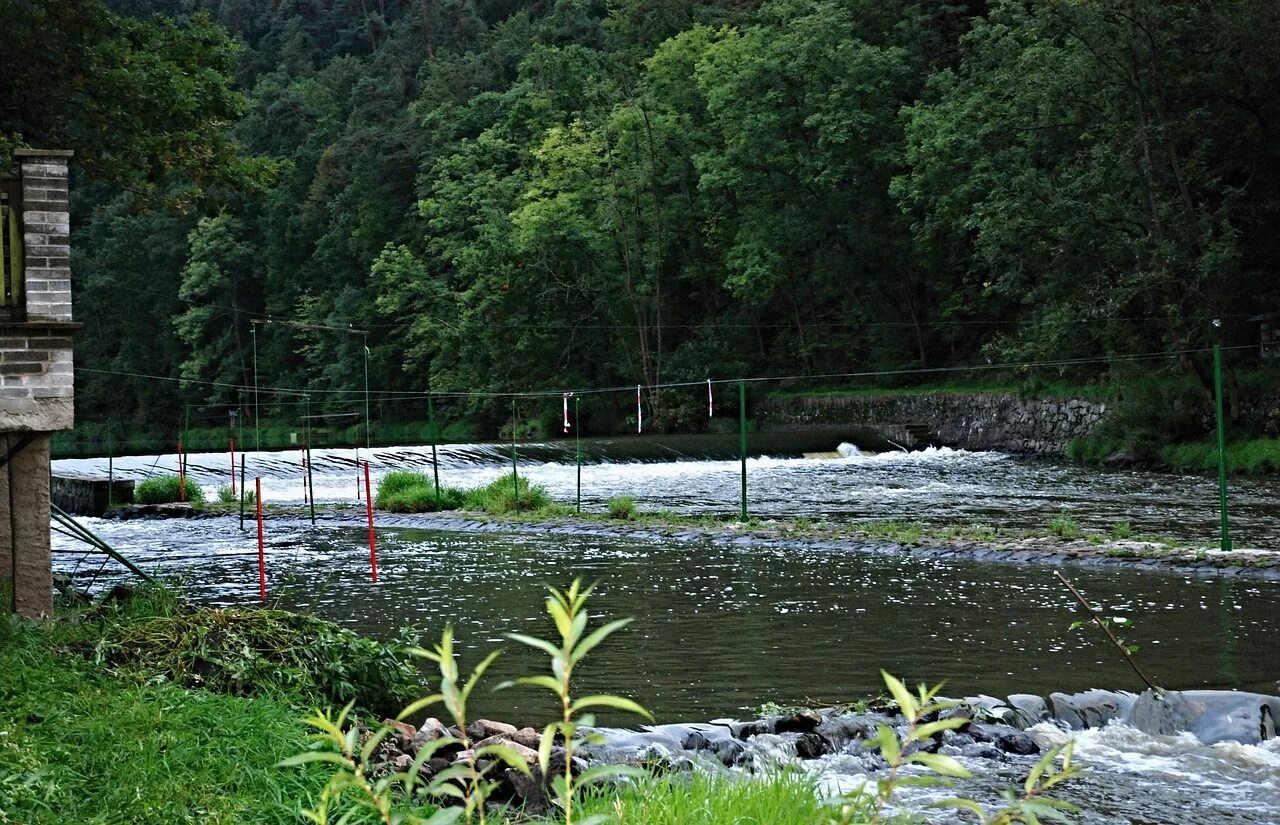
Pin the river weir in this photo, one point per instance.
(722, 627)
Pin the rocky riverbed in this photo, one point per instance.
(995, 734)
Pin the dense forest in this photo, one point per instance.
(558, 194)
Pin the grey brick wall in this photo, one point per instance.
(36, 380)
(46, 233)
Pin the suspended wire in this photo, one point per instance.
(393, 395)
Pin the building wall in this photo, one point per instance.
(36, 382)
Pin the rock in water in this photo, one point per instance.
(1211, 715)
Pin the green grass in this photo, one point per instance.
(699, 799)
(404, 491)
(165, 489)
(1252, 457)
(79, 744)
(1064, 526)
(500, 496)
(622, 508)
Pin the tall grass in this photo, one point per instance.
(82, 745)
(702, 799)
(404, 491)
(166, 489)
(500, 496)
(1252, 457)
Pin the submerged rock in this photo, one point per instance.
(1092, 708)
(1211, 715)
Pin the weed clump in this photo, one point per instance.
(500, 496)
(1064, 526)
(622, 508)
(254, 652)
(404, 491)
(166, 489)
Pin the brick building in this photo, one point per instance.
(36, 381)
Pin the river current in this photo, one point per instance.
(721, 627)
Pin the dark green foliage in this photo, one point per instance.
(499, 496)
(518, 195)
(166, 489)
(404, 491)
(621, 507)
(1250, 457)
(257, 652)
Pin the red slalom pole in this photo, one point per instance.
(182, 475)
(368, 504)
(233, 465)
(262, 556)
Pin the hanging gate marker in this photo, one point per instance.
(711, 406)
(565, 398)
(368, 503)
(357, 469)
(243, 492)
(262, 556)
(639, 412)
(233, 465)
(304, 472)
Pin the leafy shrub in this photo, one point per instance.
(1064, 526)
(226, 496)
(165, 489)
(1122, 530)
(259, 652)
(499, 496)
(622, 507)
(404, 491)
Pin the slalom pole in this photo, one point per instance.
(357, 443)
(515, 473)
(111, 469)
(1225, 538)
(182, 475)
(233, 465)
(311, 488)
(577, 445)
(435, 436)
(303, 450)
(243, 492)
(368, 503)
(742, 427)
(262, 556)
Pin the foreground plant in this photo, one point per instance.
(466, 781)
(568, 610)
(1029, 807)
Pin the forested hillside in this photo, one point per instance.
(550, 195)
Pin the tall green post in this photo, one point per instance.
(577, 448)
(257, 432)
(368, 425)
(1222, 448)
(243, 493)
(111, 470)
(742, 428)
(435, 436)
(306, 448)
(515, 473)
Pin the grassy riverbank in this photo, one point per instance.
(86, 740)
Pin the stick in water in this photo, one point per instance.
(1100, 623)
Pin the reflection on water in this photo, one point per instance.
(939, 486)
(721, 627)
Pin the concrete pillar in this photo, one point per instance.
(26, 502)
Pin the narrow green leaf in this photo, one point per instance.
(606, 701)
(940, 763)
(900, 694)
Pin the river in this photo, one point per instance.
(721, 627)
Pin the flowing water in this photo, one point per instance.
(722, 626)
(694, 474)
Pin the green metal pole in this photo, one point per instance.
(435, 436)
(577, 445)
(111, 470)
(368, 426)
(311, 490)
(515, 473)
(257, 434)
(742, 427)
(1222, 449)
(243, 493)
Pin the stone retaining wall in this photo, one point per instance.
(973, 421)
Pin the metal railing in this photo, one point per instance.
(11, 273)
